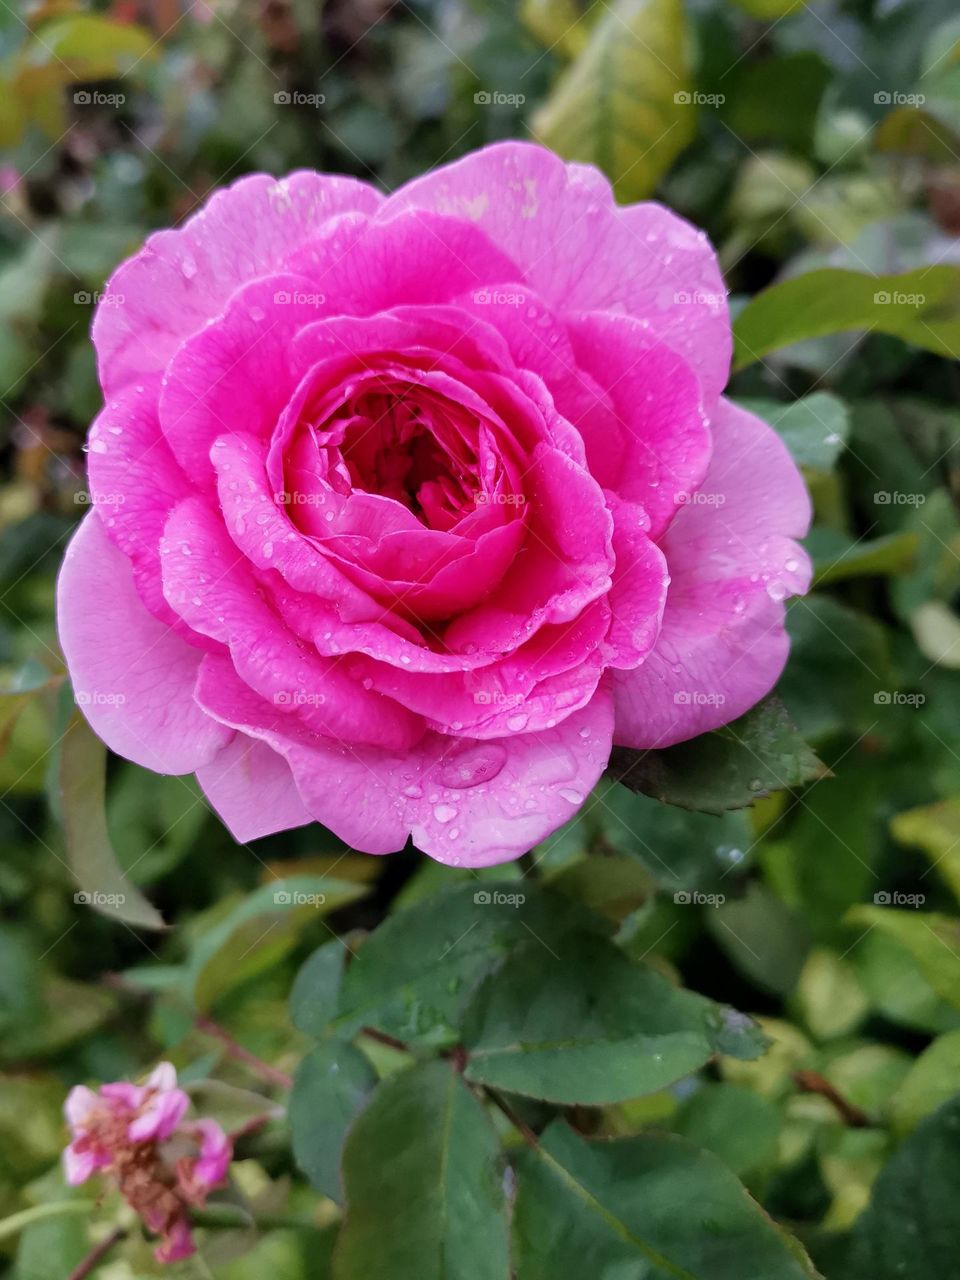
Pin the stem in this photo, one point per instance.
(529, 1137)
(97, 1254)
(813, 1082)
(236, 1050)
(229, 1217)
(39, 1213)
(383, 1038)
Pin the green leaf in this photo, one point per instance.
(650, 1206)
(100, 880)
(911, 1227)
(932, 1079)
(769, 9)
(587, 1025)
(829, 996)
(837, 557)
(316, 988)
(413, 975)
(331, 1085)
(625, 103)
(766, 941)
(933, 941)
(250, 936)
(87, 46)
(760, 753)
(736, 1124)
(423, 1184)
(815, 428)
(921, 307)
(934, 828)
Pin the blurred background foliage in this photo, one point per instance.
(819, 137)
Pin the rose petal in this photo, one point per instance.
(132, 676)
(252, 790)
(180, 279)
(732, 561)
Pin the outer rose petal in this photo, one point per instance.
(216, 1151)
(78, 1166)
(79, 1103)
(582, 252)
(159, 1117)
(179, 279)
(133, 676)
(252, 789)
(733, 561)
(465, 803)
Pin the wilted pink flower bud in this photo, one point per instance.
(162, 1164)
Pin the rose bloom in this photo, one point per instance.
(162, 1165)
(405, 509)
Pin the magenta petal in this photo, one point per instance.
(78, 1166)
(132, 676)
(159, 1117)
(180, 279)
(464, 802)
(216, 1152)
(177, 1245)
(732, 560)
(252, 789)
(80, 1101)
(582, 252)
(655, 447)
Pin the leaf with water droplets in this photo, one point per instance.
(649, 1206)
(587, 1025)
(758, 754)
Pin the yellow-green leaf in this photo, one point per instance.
(625, 104)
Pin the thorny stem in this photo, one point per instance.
(97, 1254)
(236, 1051)
(813, 1082)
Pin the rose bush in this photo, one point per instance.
(407, 508)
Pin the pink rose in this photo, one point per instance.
(407, 508)
(162, 1164)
